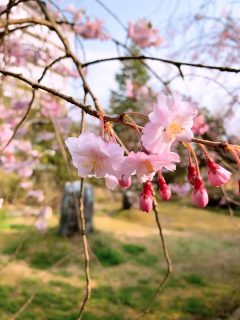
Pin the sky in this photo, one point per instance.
(163, 14)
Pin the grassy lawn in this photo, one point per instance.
(126, 265)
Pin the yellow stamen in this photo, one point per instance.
(148, 166)
(174, 129)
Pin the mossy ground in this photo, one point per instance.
(126, 265)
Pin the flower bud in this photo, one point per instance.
(200, 195)
(192, 173)
(164, 189)
(125, 183)
(146, 197)
(145, 202)
(217, 175)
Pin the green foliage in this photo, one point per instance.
(126, 286)
(195, 279)
(133, 249)
(108, 256)
(196, 306)
(136, 296)
(11, 190)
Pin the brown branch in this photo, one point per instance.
(50, 65)
(167, 259)
(215, 144)
(70, 53)
(86, 108)
(177, 64)
(13, 4)
(82, 226)
(32, 20)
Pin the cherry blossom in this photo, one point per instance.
(180, 189)
(135, 91)
(145, 166)
(6, 133)
(164, 188)
(171, 120)
(124, 183)
(37, 194)
(1, 202)
(217, 175)
(199, 125)
(191, 173)
(143, 34)
(200, 195)
(26, 184)
(111, 182)
(44, 215)
(51, 109)
(146, 197)
(93, 157)
(91, 30)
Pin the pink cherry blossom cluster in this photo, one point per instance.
(199, 125)
(91, 29)
(143, 34)
(6, 133)
(10, 162)
(51, 108)
(171, 121)
(65, 71)
(38, 195)
(180, 189)
(19, 53)
(137, 92)
(44, 216)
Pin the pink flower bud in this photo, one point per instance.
(200, 195)
(217, 175)
(164, 189)
(146, 197)
(125, 183)
(192, 173)
(145, 202)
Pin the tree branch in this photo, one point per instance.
(177, 64)
(167, 259)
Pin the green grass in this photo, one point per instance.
(195, 279)
(133, 249)
(197, 306)
(126, 270)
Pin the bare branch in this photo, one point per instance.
(177, 64)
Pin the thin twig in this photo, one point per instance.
(167, 259)
(20, 122)
(82, 227)
(177, 64)
(50, 65)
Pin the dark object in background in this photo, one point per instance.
(128, 200)
(70, 208)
